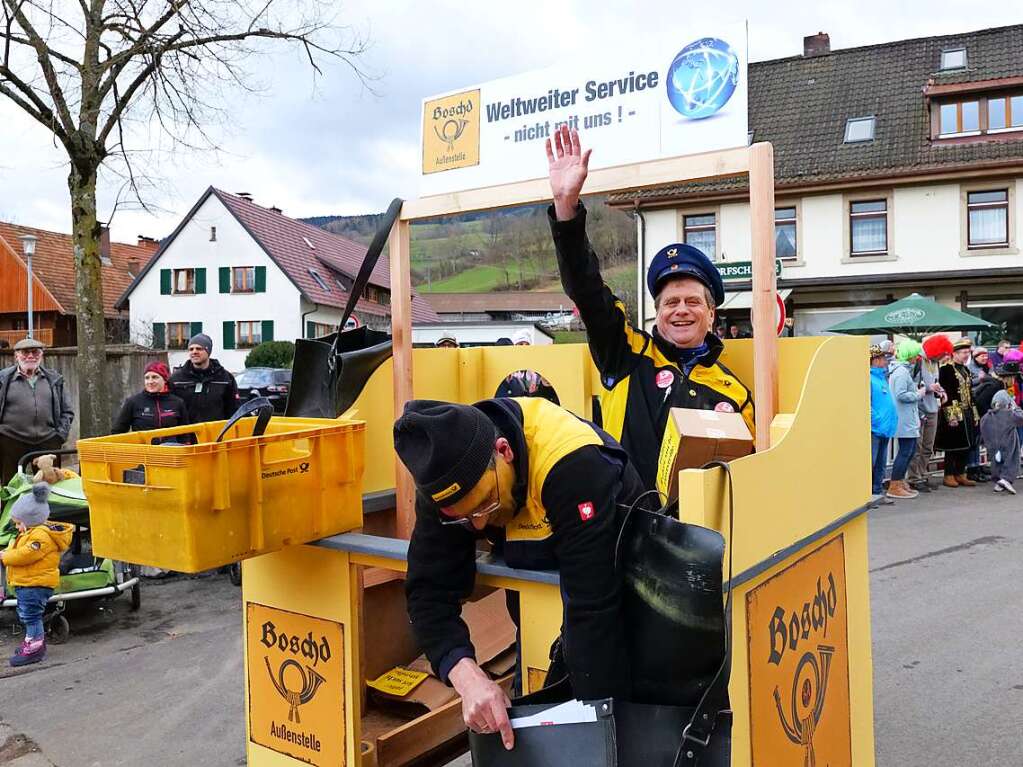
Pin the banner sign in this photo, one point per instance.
(296, 684)
(684, 95)
(799, 663)
(741, 271)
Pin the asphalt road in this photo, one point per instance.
(160, 687)
(163, 687)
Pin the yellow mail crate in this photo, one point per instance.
(196, 507)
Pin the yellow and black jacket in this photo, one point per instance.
(641, 373)
(574, 483)
(32, 559)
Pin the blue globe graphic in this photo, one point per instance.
(702, 78)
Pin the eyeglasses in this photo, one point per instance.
(30, 352)
(491, 505)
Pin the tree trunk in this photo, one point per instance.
(94, 403)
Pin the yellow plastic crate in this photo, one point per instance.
(207, 505)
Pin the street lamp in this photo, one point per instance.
(28, 247)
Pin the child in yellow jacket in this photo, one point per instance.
(32, 561)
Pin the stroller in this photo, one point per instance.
(82, 575)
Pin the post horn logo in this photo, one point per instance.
(450, 132)
(809, 690)
(311, 682)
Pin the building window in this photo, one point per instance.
(184, 281)
(248, 334)
(978, 115)
(859, 129)
(1005, 113)
(961, 117)
(319, 329)
(953, 58)
(868, 227)
(700, 231)
(785, 234)
(213, 234)
(243, 279)
(178, 334)
(987, 219)
(319, 279)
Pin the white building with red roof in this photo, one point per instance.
(243, 273)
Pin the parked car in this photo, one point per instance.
(272, 383)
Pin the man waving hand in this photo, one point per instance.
(644, 374)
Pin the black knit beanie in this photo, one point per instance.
(446, 447)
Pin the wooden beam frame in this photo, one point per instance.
(757, 161)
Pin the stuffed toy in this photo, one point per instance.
(47, 473)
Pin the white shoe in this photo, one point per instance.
(1007, 486)
(998, 487)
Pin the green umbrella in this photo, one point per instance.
(912, 316)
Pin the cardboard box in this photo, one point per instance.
(695, 437)
(492, 634)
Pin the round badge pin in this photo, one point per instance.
(664, 379)
(724, 407)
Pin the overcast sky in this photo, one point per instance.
(329, 146)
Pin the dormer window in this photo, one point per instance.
(953, 58)
(977, 114)
(859, 129)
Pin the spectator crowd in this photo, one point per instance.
(948, 396)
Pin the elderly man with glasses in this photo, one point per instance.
(549, 491)
(35, 408)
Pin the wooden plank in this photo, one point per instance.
(728, 162)
(765, 328)
(425, 733)
(399, 248)
(376, 576)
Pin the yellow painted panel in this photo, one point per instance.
(778, 496)
(316, 583)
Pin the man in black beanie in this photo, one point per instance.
(207, 387)
(548, 490)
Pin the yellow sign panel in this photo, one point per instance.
(451, 132)
(296, 684)
(399, 681)
(799, 663)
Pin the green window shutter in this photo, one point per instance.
(200, 281)
(261, 279)
(309, 330)
(268, 330)
(225, 279)
(228, 335)
(196, 329)
(159, 335)
(165, 282)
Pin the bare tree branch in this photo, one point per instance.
(49, 73)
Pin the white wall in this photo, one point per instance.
(473, 333)
(926, 234)
(233, 247)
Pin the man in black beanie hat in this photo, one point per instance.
(547, 489)
(208, 389)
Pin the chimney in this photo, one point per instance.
(275, 209)
(133, 266)
(245, 195)
(104, 243)
(816, 45)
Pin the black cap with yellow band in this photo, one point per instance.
(445, 446)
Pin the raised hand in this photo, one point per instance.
(568, 165)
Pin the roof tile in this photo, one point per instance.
(54, 264)
(801, 105)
